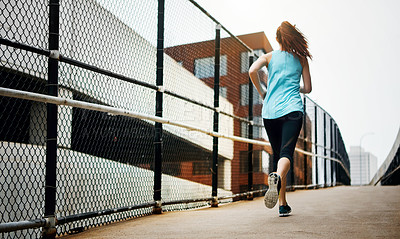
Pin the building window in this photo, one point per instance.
(113, 137)
(258, 131)
(223, 91)
(171, 168)
(244, 95)
(260, 161)
(16, 120)
(204, 67)
(244, 59)
(201, 168)
(22, 121)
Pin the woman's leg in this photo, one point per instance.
(291, 127)
(283, 169)
(273, 127)
(274, 131)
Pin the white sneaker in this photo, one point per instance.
(272, 195)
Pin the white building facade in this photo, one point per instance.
(363, 165)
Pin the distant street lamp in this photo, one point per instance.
(362, 137)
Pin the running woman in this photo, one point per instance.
(282, 109)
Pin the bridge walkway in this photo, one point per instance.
(338, 212)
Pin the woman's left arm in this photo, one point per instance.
(307, 87)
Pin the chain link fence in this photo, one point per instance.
(96, 153)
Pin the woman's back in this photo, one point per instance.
(283, 90)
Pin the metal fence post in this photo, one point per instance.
(305, 139)
(337, 154)
(250, 146)
(292, 174)
(331, 150)
(325, 177)
(316, 143)
(52, 110)
(158, 150)
(214, 202)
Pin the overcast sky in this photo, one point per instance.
(355, 69)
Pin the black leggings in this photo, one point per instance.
(283, 133)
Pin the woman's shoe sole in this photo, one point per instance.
(284, 214)
(271, 196)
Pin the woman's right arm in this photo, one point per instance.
(307, 87)
(253, 72)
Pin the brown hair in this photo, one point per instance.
(292, 40)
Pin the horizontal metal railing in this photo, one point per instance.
(118, 111)
(61, 58)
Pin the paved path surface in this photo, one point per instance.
(339, 212)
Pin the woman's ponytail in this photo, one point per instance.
(292, 40)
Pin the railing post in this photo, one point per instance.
(337, 154)
(291, 171)
(214, 202)
(331, 151)
(305, 139)
(158, 131)
(325, 139)
(52, 110)
(250, 146)
(316, 143)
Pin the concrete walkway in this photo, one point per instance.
(339, 212)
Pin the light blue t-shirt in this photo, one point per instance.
(283, 89)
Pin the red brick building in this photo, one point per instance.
(199, 59)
